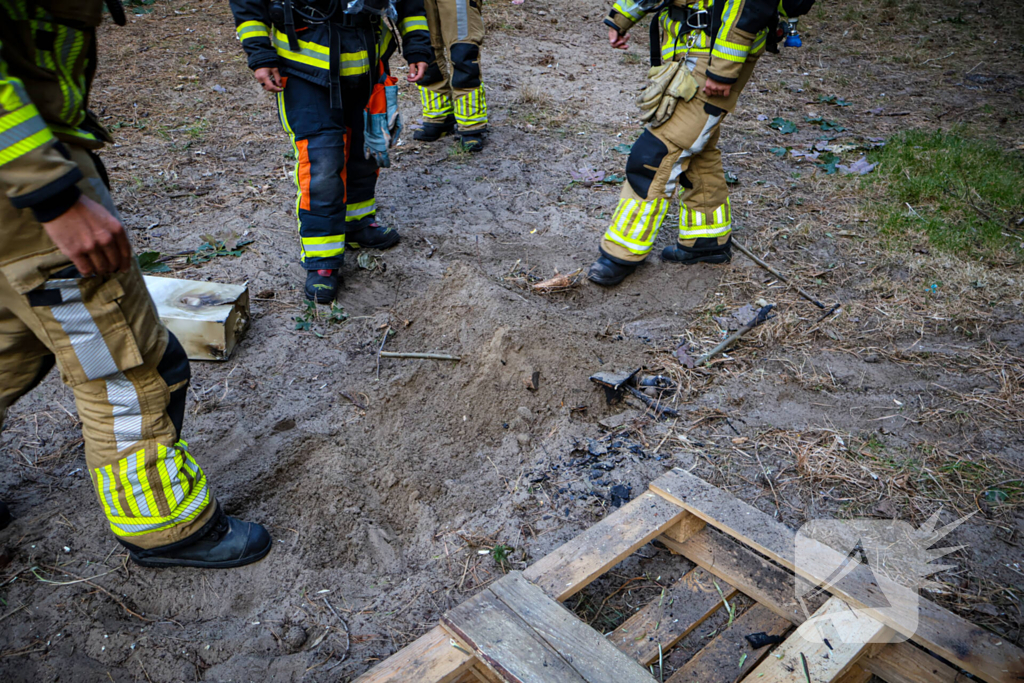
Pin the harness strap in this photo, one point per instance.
(335, 70)
(289, 26)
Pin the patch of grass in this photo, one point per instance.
(966, 193)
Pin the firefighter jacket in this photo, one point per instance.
(737, 33)
(47, 61)
(267, 45)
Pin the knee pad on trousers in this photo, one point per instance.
(644, 160)
(174, 369)
(432, 75)
(465, 66)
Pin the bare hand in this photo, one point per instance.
(269, 78)
(416, 71)
(93, 239)
(717, 89)
(618, 40)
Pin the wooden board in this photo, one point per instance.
(586, 650)
(671, 616)
(571, 567)
(772, 587)
(505, 643)
(429, 659)
(907, 663)
(728, 657)
(980, 652)
(856, 675)
(847, 633)
(765, 582)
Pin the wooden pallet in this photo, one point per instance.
(515, 630)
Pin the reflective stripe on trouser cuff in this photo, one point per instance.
(133, 488)
(471, 108)
(635, 224)
(694, 224)
(323, 247)
(435, 105)
(359, 210)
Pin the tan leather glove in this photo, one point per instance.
(682, 88)
(659, 77)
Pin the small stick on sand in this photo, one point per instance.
(427, 356)
(746, 252)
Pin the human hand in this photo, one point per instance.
(717, 89)
(617, 40)
(92, 238)
(269, 78)
(416, 71)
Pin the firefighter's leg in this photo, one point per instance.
(657, 166)
(360, 175)
(468, 97)
(435, 86)
(318, 137)
(129, 376)
(705, 215)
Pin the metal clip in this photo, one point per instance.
(700, 15)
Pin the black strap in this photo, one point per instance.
(116, 10)
(655, 35)
(335, 72)
(289, 26)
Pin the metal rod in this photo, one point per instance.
(427, 356)
(762, 315)
(801, 292)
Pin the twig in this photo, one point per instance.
(104, 590)
(935, 59)
(427, 356)
(762, 316)
(801, 292)
(16, 609)
(654, 405)
(348, 638)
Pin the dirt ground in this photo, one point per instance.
(387, 486)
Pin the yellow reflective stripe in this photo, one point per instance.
(471, 108)
(147, 489)
(252, 29)
(358, 210)
(413, 24)
(126, 486)
(434, 105)
(628, 8)
(323, 247)
(322, 240)
(635, 224)
(352, 63)
(694, 223)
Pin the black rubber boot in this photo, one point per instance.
(706, 250)
(372, 236)
(433, 131)
(472, 142)
(607, 272)
(225, 542)
(322, 285)
(5, 515)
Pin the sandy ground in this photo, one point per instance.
(383, 484)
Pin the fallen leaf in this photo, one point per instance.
(860, 167)
(779, 151)
(731, 179)
(782, 125)
(682, 354)
(587, 176)
(623, 148)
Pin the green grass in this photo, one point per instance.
(966, 193)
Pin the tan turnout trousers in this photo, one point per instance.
(452, 83)
(128, 374)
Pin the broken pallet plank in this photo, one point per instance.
(728, 657)
(824, 648)
(671, 616)
(571, 567)
(586, 650)
(765, 582)
(428, 659)
(505, 643)
(976, 650)
(773, 587)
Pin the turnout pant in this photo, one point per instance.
(336, 182)
(129, 376)
(452, 83)
(683, 153)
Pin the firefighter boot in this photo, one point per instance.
(322, 285)
(225, 542)
(5, 516)
(472, 142)
(433, 131)
(702, 250)
(607, 271)
(372, 236)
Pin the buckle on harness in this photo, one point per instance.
(698, 20)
